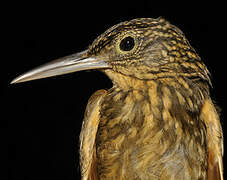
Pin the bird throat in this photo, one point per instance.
(148, 125)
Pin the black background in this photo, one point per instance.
(41, 120)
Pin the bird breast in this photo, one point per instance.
(143, 134)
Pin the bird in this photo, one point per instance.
(158, 121)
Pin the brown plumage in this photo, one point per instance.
(158, 120)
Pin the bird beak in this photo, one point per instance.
(72, 63)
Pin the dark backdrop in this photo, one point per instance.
(41, 119)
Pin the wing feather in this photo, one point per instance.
(214, 141)
(88, 135)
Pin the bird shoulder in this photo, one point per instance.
(88, 136)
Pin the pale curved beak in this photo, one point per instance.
(72, 63)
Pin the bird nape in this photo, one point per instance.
(158, 120)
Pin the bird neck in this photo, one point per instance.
(125, 82)
(193, 88)
(175, 95)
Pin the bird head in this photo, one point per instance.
(143, 48)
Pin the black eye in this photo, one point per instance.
(127, 44)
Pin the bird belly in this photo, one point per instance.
(124, 157)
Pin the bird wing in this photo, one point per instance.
(214, 141)
(88, 136)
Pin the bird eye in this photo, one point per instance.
(127, 44)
